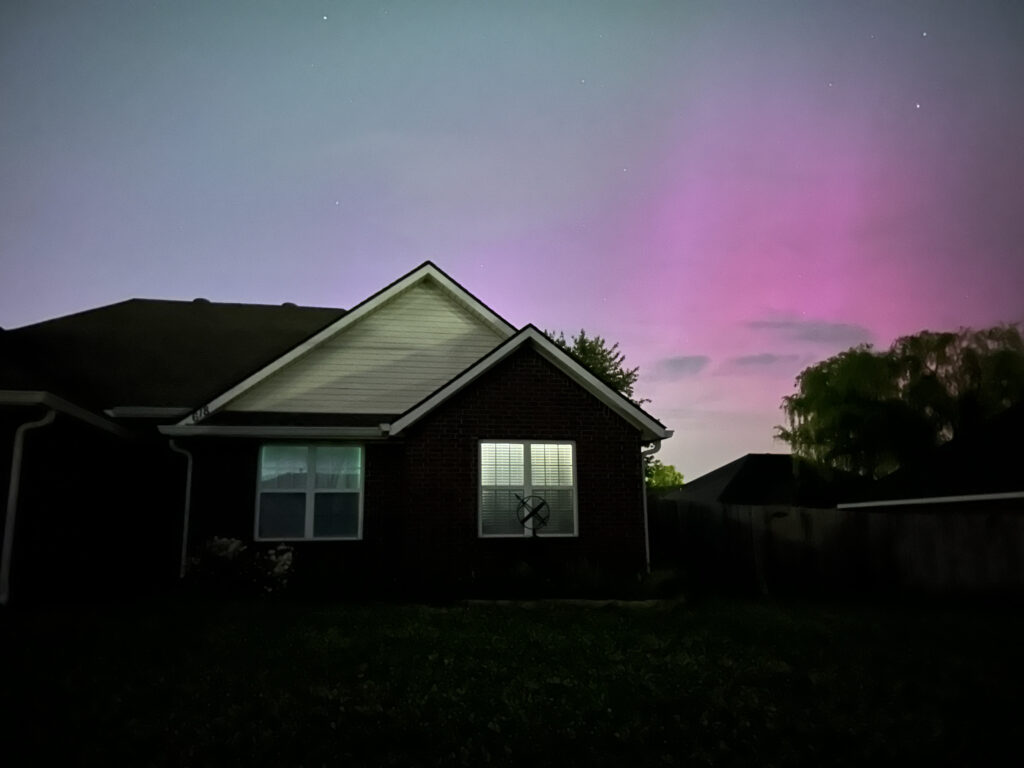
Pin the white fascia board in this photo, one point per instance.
(498, 323)
(21, 397)
(933, 500)
(649, 427)
(40, 397)
(318, 433)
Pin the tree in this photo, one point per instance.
(603, 361)
(871, 412)
(660, 475)
(607, 363)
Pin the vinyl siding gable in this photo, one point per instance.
(384, 363)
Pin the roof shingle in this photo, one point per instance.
(151, 352)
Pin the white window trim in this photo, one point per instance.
(310, 493)
(528, 491)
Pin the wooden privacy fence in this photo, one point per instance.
(943, 548)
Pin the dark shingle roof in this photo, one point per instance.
(148, 352)
(765, 479)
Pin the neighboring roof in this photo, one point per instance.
(426, 271)
(760, 479)
(983, 464)
(16, 373)
(150, 352)
(708, 488)
(650, 428)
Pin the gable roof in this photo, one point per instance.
(426, 271)
(151, 352)
(766, 479)
(650, 428)
(151, 357)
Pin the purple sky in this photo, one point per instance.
(730, 190)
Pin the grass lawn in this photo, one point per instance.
(719, 682)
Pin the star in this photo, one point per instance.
(924, 34)
(325, 18)
(917, 105)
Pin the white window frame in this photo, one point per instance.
(527, 490)
(310, 492)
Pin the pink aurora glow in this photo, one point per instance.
(729, 190)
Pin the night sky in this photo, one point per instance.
(731, 190)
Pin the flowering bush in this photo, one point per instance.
(224, 548)
(231, 565)
(272, 567)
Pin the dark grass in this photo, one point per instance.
(719, 682)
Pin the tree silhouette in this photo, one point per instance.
(603, 361)
(871, 412)
(607, 363)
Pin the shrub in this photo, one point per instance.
(231, 566)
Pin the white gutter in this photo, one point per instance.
(39, 397)
(933, 500)
(647, 530)
(12, 501)
(213, 430)
(188, 507)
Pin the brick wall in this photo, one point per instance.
(421, 493)
(224, 505)
(525, 397)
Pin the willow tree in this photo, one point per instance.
(870, 412)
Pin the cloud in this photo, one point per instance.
(816, 331)
(763, 359)
(679, 366)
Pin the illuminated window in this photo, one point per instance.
(310, 492)
(519, 473)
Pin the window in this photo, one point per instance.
(515, 470)
(310, 492)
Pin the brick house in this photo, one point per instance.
(416, 439)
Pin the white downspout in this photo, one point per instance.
(647, 531)
(12, 501)
(188, 507)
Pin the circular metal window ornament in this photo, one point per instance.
(533, 512)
